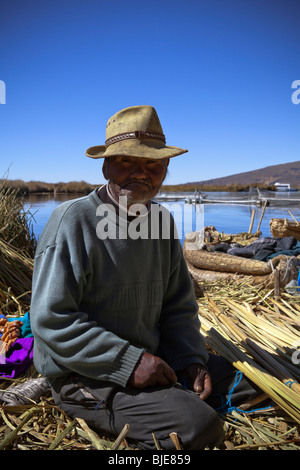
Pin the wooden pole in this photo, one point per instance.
(252, 221)
(262, 214)
(277, 284)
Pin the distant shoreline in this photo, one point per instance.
(40, 187)
(82, 187)
(235, 188)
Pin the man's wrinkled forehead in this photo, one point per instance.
(135, 160)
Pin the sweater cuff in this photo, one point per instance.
(126, 364)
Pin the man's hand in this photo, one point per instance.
(151, 371)
(198, 379)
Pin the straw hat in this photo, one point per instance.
(135, 132)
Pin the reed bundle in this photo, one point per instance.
(17, 246)
(15, 277)
(15, 223)
(285, 228)
(216, 261)
(260, 343)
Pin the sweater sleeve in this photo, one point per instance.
(181, 340)
(66, 339)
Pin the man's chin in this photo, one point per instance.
(136, 195)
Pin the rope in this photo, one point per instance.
(228, 408)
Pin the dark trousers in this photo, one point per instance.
(155, 410)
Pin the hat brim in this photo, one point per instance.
(135, 148)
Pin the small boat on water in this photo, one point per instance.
(197, 198)
(284, 187)
(194, 199)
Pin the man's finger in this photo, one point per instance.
(169, 373)
(202, 384)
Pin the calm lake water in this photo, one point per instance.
(226, 217)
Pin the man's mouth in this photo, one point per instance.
(136, 183)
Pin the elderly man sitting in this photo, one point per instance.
(113, 311)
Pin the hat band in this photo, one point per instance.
(134, 135)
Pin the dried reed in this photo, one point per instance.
(17, 246)
(15, 223)
(258, 338)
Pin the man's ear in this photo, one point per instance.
(105, 169)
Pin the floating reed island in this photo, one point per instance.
(254, 325)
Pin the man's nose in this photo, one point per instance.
(139, 171)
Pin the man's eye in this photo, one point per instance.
(154, 164)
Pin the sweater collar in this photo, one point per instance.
(106, 196)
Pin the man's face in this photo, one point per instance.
(139, 179)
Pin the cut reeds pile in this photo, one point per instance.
(15, 278)
(260, 336)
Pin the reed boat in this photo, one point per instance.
(285, 228)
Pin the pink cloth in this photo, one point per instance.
(17, 359)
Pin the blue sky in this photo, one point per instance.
(219, 73)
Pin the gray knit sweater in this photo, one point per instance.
(101, 296)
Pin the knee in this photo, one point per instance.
(201, 426)
(207, 433)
